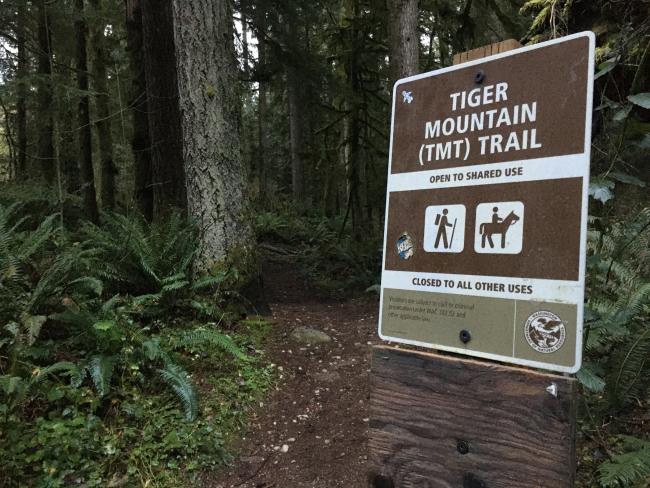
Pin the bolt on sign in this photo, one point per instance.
(486, 207)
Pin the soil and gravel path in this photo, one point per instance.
(311, 431)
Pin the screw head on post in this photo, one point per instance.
(465, 336)
(462, 447)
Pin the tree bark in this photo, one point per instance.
(296, 134)
(85, 133)
(46, 166)
(21, 95)
(69, 147)
(354, 164)
(9, 139)
(404, 42)
(244, 37)
(102, 103)
(210, 108)
(262, 101)
(168, 177)
(140, 143)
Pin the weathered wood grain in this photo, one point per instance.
(483, 51)
(422, 405)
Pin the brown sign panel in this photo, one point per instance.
(484, 250)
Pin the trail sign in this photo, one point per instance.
(486, 206)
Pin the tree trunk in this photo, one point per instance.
(244, 37)
(85, 133)
(210, 107)
(140, 143)
(9, 140)
(404, 42)
(21, 95)
(262, 102)
(296, 134)
(296, 100)
(352, 161)
(102, 103)
(44, 96)
(69, 147)
(168, 177)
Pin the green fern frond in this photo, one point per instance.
(139, 258)
(68, 265)
(41, 374)
(111, 303)
(541, 18)
(89, 283)
(174, 283)
(80, 318)
(210, 280)
(629, 468)
(37, 239)
(628, 379)
(153, 350)
(209, 337)
(179, 381)
(101, 371)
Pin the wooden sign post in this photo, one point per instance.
(484, 255)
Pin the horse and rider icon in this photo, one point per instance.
(497, 226)
(490, 223)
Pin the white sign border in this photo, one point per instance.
(585, 206)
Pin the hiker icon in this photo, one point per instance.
(442, 222)
(444, 228)
(503, 219)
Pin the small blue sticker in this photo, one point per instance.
(405, 246)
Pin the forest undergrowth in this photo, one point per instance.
(118, 367)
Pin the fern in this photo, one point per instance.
(56, 280)
(210, 280)
(100, 369)
(19, 250)
(209, 337)
(630, 468)
(62, 366)
(628, 379)
(179, 381)
(617, 313)
(141, 258)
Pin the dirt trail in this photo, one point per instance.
(320, 410)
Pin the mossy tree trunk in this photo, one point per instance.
(210, 113)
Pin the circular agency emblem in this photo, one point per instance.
(545, 331)
(405, 246)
